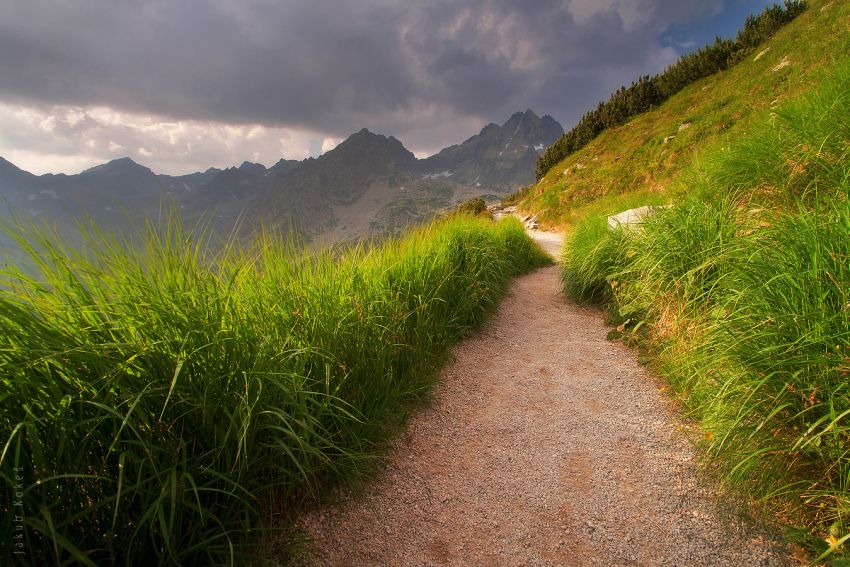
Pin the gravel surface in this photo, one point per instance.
(545, 444)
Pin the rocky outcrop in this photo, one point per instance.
(633, 218)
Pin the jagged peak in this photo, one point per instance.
(490, 126)
(367, 136)
(250, 164)
(252, 168)
(119, 164)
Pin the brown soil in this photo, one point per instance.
(545, 445)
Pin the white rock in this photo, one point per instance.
(761, 54)
(782, 64)
(632, 218)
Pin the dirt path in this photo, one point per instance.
(545, 445)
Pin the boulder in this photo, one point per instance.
(633, 218)
(782, 64)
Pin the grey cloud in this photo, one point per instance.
(333, 67)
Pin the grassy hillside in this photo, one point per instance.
(158, 400)
(709, 113)
(741, 291)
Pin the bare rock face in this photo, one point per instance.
(633, 218)
(499, 158)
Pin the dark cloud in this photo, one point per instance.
(413, 69)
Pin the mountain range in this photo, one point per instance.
(369, 184)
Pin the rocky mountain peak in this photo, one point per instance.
(370, 146)
(284, 166)
(527, 116)
(252, 168)
(121, 166)
(499, 157)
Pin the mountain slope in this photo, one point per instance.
(499, 156)
(305, 195)
(648, 153)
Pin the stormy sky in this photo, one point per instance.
(183, 85)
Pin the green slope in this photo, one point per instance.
(635, 158)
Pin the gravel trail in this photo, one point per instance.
(545, 444)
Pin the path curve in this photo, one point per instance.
(545, 444)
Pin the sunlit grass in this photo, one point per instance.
(157, 397)
(742, 292)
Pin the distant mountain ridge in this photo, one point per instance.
(499, 156)
(315, 195)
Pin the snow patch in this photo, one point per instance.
(438, 175)
(47, 193)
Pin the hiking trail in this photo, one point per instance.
(545, 444)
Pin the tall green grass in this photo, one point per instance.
(159, 398)
(742, 291)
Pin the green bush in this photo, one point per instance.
(475, 207)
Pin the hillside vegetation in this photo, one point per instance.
(159, 400)
(648, 153)
(647, 92)
(741, 291)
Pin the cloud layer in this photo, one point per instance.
(430, 73)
